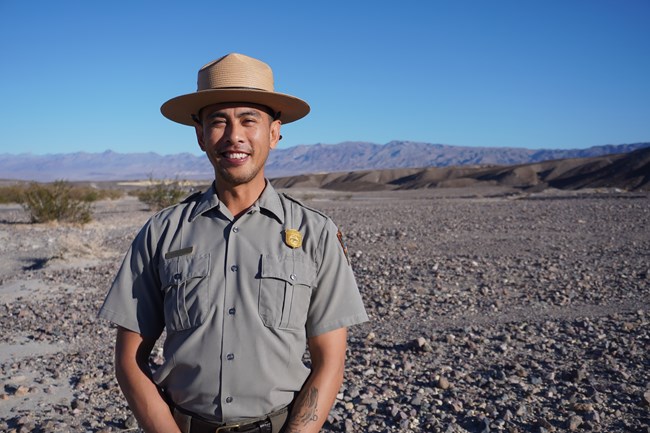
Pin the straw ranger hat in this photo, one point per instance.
(234, 78)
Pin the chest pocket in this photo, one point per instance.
(187, 296)
(285, 292)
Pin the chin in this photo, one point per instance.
(236, 180)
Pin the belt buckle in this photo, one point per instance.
(226, 427)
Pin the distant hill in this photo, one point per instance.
(104, 166)
(352, 156)
(628, 171)
(298, 160)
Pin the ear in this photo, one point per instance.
(199, 135)
(275, 133)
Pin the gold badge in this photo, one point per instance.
(293, 238)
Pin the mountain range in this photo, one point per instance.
(625, 171)
(297, 160)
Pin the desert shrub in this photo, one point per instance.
(161, 194)
(110, 194)
(89, 194)
(16, 193)
(55, 202)
(12, 194)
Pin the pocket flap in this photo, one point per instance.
(289, 269)
(178, 269)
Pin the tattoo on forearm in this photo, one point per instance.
(304, 410)
(308, 406)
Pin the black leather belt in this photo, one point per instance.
(198, 426)
(191, 424)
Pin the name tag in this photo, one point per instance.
(178, 253)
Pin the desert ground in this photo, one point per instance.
(491, 310)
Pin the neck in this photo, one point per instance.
(239, 198)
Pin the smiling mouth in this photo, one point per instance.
(235, 155)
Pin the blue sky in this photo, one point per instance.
(91, 76)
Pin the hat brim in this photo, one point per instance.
(181, 108)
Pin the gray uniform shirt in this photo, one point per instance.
(238, 303)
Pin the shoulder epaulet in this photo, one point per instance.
(299, 203)
(192, 196)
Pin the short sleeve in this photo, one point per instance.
(135, 300)
(336, 301)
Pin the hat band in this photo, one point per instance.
(236, 88)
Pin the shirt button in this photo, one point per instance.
(177, 276)
(230, 357)
(235, 229)
(292, 276)
(231, 311)
(234, 268)
(228, 399)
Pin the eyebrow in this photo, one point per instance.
(219, 113)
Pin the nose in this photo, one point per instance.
(233, 133)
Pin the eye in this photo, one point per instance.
(217, 122)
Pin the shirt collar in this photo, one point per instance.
(269, 200)
(207, 200)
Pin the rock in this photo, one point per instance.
(575, 422)
(456, 405)
(521, 410)
(583, 407)
(130, 422)
(21, 391)
(49, 426)
(443, 383)
(422, 344)
(577, 375)
(77, 404)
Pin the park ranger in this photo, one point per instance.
(241, 278)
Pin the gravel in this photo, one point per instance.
(489, 312)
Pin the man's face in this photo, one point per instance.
(237, 139)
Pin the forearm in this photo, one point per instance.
(134, 377)
(312, 405)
